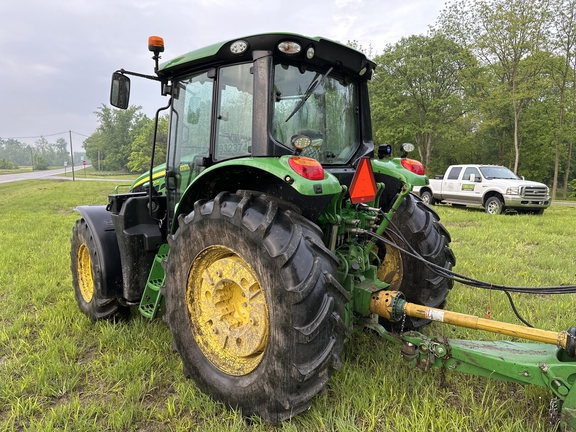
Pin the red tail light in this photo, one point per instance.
(413, 165)
(308, 168)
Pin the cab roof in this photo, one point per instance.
(326, 53)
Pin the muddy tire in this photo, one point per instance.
(420, 226)
(87, 277)
(254, 307)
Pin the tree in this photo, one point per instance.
(6, 164)
(16, 152)
(40, 163)
(139, 159)
(564, 75)
(508, 37)
(417, 92)
(111, 143)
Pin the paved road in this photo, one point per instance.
(52, 174)
(8, 178)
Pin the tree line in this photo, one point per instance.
(123, 140)
(42, 155)
(493, 82)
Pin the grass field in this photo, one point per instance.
(60, 372)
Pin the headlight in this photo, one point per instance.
(513, 190)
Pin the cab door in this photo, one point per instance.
(450, 184)
(470, 186)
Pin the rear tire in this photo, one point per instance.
(253, 304)
(421, 227)
(87, 277)
(428, 198)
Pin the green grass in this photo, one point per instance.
(60, 372)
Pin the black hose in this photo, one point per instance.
(465, 280)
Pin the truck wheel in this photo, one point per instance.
(428, 198)
(254, 307)
(87, 277)
(494, 205)
(420, 226)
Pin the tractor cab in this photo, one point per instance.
(263, 96)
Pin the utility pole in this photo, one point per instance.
(72, 156)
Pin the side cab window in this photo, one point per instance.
(454, 173)
(234, 112)
(190, 128)
(472, 170)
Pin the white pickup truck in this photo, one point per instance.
(495, 188)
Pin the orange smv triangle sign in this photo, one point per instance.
(363, 187)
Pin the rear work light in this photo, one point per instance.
(413, 165)
(308, 168)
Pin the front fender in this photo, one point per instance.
(102, 229)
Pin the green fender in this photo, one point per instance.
(394, 168)
(277, 167)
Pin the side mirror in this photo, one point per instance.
(472, 177)
(120, 91)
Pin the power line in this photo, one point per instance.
(42, 136)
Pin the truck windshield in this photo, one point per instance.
(498, 172)
(319, 106)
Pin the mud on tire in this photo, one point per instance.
(87, 277)
(254, 307)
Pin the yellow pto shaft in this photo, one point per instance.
(391, 305)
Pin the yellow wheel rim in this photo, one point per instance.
(392, 268)
(84, 267)
(228, 310)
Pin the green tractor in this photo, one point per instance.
(276, 228)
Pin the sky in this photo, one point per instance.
(57, 56)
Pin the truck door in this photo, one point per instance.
(470, 186)
(450, 184)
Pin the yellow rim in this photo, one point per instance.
(392, 268)
(84, 267)
(228, 310)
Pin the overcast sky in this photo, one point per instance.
(57, 56)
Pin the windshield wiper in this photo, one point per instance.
(311, 88)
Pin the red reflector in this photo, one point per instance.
(413, 165)
(308, 168)
(363, 187)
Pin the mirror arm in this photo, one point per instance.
(151, 77)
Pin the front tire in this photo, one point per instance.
(88, 277)
(494, 206)
(253, 304)
(421, 228)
